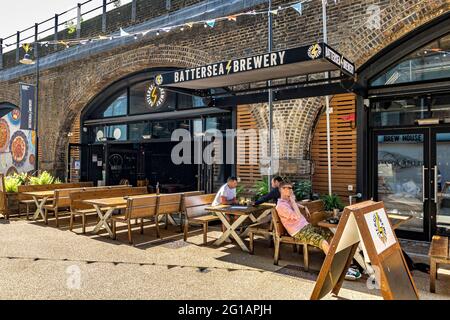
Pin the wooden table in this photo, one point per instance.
(242, 213)
(110, 204)
(40, 198)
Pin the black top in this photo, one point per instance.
(274, 195)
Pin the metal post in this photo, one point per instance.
(104, 17)
(133, 11)
(55, 37)
(18, 47)
(78, 20)
(270, 44)
(327, 99)
(1, 53)
(36, 55)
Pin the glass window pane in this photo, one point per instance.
(145, 97)
(114, 106)
(443, 179)
(429, 62)
(400, 176)
(140, 131)
(162, 130)
(440, 107)
(398, 112)
(117, 132)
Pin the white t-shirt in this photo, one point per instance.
(224, 191)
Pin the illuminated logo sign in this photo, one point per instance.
(155, 96)
(314, 51)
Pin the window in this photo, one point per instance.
(398, 112)
(427, 63)
(140, 131)
(116, 132)
(115, 106)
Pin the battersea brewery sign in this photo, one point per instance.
(303, 55)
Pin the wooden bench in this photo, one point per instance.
(139, 207)
(439, 254)
(28, 201)
(79, 208)
(194, 211)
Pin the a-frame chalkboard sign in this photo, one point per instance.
(366, 223)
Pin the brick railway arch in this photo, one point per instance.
(111, 69)
(359, 45)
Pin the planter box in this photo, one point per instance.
(12, 203)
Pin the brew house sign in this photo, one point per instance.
(295, 56)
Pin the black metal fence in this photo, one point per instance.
(88, 19)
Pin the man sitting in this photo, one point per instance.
(227, 193)
(274, 194)
(296, 224)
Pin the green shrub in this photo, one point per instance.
(303, 190)
(332, 202)
(13, 182)
(262, 187)
(43, 178)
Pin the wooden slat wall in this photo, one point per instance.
(343, 148)
(248, 173)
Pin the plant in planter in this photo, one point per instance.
(262, 188)
(332, 202)
(44, 178)
(302, 190)
(13, 182)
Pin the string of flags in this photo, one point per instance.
(211, 23)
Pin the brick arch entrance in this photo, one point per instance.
(102, 72)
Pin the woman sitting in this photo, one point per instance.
(296, 224)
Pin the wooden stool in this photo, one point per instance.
(438, 255)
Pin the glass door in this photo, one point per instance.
(440, 184)
(401, 178)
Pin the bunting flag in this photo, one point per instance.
(207, 23)
(26, 47)
(298, 7)
(211, 23)
(123, 33)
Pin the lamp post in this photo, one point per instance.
(270, 45)
(327, 99)
(28, 61)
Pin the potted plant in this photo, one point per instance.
(262, 188)
(332, 203)
(303, 190)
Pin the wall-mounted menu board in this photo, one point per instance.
(366, 223)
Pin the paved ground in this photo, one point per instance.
(43, 262)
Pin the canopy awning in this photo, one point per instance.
(6, 107)
(316, 58)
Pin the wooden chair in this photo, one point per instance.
(60, 201)
(182, 208)
(439, 255)
(194, 210)
(281, 236)
(79, 208)
(137, 208)
(167, 204)
(264, 229)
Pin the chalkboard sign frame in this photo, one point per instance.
(353, 228)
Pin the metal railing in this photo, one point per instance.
(68, 25)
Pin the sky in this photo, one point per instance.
(20, 14)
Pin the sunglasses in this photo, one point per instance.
(287, 187)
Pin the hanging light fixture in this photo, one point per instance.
(27, 59)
